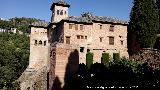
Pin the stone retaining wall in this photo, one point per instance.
(151, 56)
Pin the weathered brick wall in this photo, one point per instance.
(94, 33)
(64, 59)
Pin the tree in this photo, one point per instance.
(105, 58)
(89, 59)
(14, 56)
(144, 22)
(158, 6)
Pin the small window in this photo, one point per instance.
(61, 13)
(88, 50)
(82, 37)
(100, 39)
(57, 12)
(78, 36)
(76, 27)
(65, 12)
(85, 37)
(100, 26)
(120, 36)
(111, 40)
(70, 26)
(35, 42)
(40, 42)
(121, 42)
(111, 28)
(81, 27)
(67, 40)
(44, 43)
(81, 49)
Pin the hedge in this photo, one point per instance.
(105, 58)
(89, 59)
(116, 57)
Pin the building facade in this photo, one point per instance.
(66, 40)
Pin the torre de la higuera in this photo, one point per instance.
(68, 38)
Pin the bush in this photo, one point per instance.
(105, 58)
(116, 57)
(89, 59)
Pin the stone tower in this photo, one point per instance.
(59, 11)
(38, 46)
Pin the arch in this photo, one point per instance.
(45, 43)
(61, 13)
(35, 42)
(57, 12)
(40, 42)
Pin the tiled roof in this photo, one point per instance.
(62, 2)
(59, 2)
(79, 19)
(88, 18)
(40, 24)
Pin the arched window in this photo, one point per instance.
(35, 42)
(57, 12)
(40, 42)
(61, 13)
(44, 43)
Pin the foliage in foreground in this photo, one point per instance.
(14, 56)
(122, 74)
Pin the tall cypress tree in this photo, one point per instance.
(158, 6)
(144, 22)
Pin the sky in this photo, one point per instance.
(40, 9)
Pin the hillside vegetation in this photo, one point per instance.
(14, 57)
(21, 24)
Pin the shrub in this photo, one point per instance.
(89, 59)
(105, 58)
(116, 57)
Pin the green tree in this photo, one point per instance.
(105, 58)
(158, 6)
(14, 56)
(116, 57)
(89, 59)
(144, 22)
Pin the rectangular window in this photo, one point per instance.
(78, 36)
(111, 40)
(81, 27)
(57, 12)
(121, 42)
(100, 39)
(81, 49)
(85, 37)
(100, 26)
(70, 26)
(111, 28)
(76, 27)
(67, 40)
(82, 37)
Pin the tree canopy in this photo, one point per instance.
(21, 24)
(144, 22)
(14, 57)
